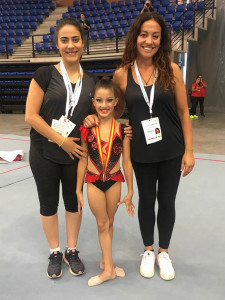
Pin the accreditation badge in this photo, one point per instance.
(152, 130)
(63, 126)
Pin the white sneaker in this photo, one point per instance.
(147, 264)
(165, 266)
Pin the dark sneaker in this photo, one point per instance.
(54, 266)
(76, 266)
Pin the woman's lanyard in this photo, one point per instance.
(105, 165)
(152, 93)
(72, 96)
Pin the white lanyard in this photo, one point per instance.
(152, 93)
(72, 96)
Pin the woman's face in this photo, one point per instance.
(198, 80)
(148, 41)
(70, 44)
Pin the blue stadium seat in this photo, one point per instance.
(115, 24)
(120, 3)
(139, 6)
(19, 25)
(136, 2)
(110, 33)
(178, 16)
(54, 47)
(18, 40)
(40, 19)
(4, 26)
(3, 32)
(12, 18)
(113, 4)
(112, 17)
(26, 32)
(10, 48)
(136, 14)
(200, 5)
(2, 41)
(47, 47)
(107, 5)
(156, 4)
(104, 18)
(124, 8)
(11, 32)
(70, 9)
(128, 2)
(96, 2)
(65, 15)
(187, 24)
(2, 48)
(10, 41)
(52, 30)
(97, 19)
(180, 7)
(123, 23)
(131, 8)
(38, 47)
(171, 9)
(94, 13)
(116, 10)
(119, 16)
(188, 15)
(102, 33)
(107, 25)
(26, 18)
(11, 25)
(82, 2)
(33, 25)
(46, 12)
(165, 3)
(126, 29)
(92, 26)
(92, 7)
(177, 26)
(99, 6)
(76, 3)
(190, 6)
(89, 2)
(119, 31)
(169, 18)
(46, 38)
(127, 15)
(99, 26)
(26, 25)
(130, 21)
(162, 11)
(108, 11)
(101, 12)
(90, 20)
(93, 35)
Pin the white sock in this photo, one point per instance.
(55, 250)
(68, 249)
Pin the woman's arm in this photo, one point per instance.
(184, 116)
(128, 171)
(33, 105)
(81, 170)
(119, 79)
(194, 89)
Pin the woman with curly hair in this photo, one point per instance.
(155, 96)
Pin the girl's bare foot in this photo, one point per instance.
(99, 279)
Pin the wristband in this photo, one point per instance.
(189, 149)
(60, 145)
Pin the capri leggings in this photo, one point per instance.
(48, 175)
(167, 175)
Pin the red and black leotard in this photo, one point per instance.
(89, 137)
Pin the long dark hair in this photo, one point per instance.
(161, 59)
(68, 21)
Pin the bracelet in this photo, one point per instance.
(189, 149)
(60, 145)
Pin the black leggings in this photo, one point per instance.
(167, 174)
(194, 104)
(47, 175)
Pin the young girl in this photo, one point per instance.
(105, 143)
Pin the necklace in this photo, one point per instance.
(146, 82)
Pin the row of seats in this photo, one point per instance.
(9, 8)
(10, 41)
(113, 4)
(19, 25)
(27, 12)
(8, 19)
(15, 2)
(110, 33)
(16, 32)
(46, 47)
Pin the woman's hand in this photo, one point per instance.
(91, 121)
(128, 131)
(129, 204)
(73, 149)
(187, 163)
(80, 201)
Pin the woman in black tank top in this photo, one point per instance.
(157, 165)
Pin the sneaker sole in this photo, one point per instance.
(54, 276)
(149, 275)
(75, 274)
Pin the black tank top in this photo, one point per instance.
(172, 143)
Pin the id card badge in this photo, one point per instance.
(152, 130)
(63, 126)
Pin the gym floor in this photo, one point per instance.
(197, 245)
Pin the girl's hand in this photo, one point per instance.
(80, 201)
(91, 121)
(128, 131)
(129, 204)
(187, 163)
(73, 149)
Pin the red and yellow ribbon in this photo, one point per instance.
(108, 154)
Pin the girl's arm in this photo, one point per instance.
(183, 113)
(33, 105)
(128, 171)
(81, 170)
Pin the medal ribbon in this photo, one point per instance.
(105, 165)
(152, 93)
(72, 96)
